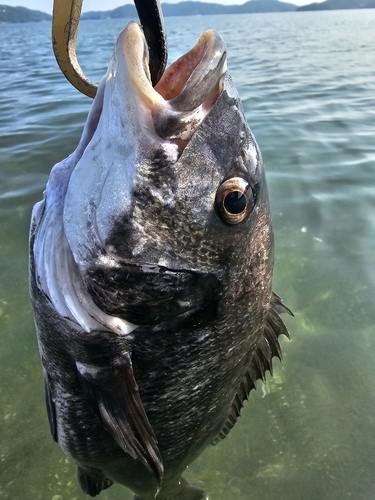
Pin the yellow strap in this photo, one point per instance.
(65, 21)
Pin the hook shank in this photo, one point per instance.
(65, 21)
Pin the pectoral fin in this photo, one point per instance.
(114, 395)
(261, 361)
(92, 481)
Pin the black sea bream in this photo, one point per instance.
(150, 270)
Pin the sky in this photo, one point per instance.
(46, 5)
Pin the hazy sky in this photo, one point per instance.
(46, 5)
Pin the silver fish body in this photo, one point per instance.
(151, 261)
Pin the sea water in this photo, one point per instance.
(307, 83)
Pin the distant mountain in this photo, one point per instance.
(118, 13)
(191, 8)
(21, 15)
(254, 6)
(339, 4)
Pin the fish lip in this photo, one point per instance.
(187, 90)
(202, 66)
(206, 62)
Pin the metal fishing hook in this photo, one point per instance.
(65, 22)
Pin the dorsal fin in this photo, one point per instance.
(261, 361)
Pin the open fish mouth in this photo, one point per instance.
(188, 88)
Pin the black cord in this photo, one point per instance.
(152, 21)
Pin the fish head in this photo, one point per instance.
(170, 179)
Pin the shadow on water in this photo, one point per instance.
(310, 431)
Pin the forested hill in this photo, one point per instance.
(188, 8)
(339, 4)
(21, 15)
(197, 8)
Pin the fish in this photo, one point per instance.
(151, 259)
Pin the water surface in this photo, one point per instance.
(307, 81)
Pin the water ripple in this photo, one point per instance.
(307, 83)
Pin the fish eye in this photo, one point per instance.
(234, 200)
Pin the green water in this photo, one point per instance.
(307, 82)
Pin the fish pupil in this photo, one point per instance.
(235, 202)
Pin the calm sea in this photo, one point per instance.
(307, 82)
